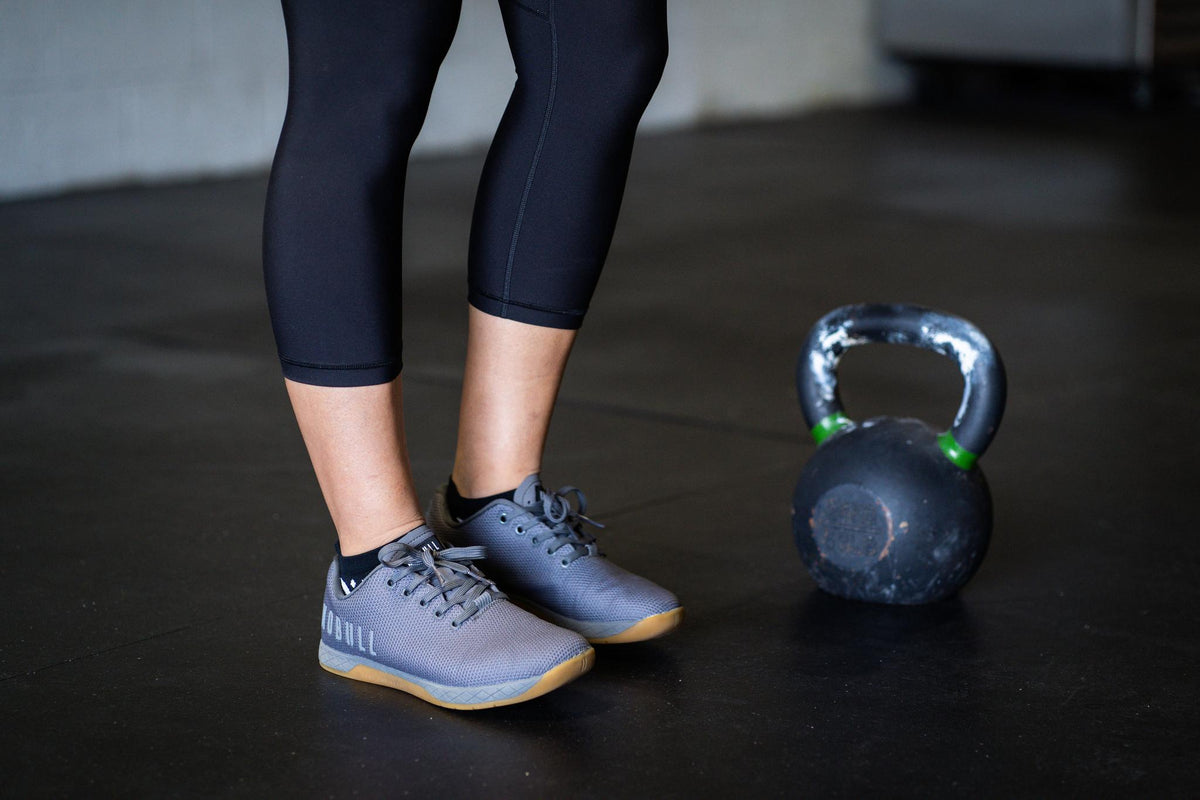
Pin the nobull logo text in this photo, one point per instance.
(342, 631)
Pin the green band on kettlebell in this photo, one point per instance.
(830, 425)
(958, 455)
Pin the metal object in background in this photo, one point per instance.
(1089, 33)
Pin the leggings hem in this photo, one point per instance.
(330, 375)
(542, 317)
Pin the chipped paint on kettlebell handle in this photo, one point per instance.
(964, 343)
(947, 343)
(835, 339)
(942, 333)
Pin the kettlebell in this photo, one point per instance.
(889, 510)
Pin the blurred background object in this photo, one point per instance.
(1146, 50)
(1114, 33)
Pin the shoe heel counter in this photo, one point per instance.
(327, 602)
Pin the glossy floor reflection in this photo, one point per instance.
(165, 543)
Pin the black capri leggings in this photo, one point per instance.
(361, 74)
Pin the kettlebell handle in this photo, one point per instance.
(984, 382)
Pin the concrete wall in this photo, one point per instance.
(103, 91)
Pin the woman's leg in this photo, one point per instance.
(512, 377)
(544, 219)
(355, 438)
(361, 77)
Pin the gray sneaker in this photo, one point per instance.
(539, 552)
(426, 621)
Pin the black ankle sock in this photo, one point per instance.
(462, 507)
(353, 569)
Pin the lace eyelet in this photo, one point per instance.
(520, 530)
(565, 563)
(455, 624)
(422, 604)
(549, 552)
(439, 614)
(406, 593)
(503, 519)
(391, 582)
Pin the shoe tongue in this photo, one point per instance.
(421, 538)
(529, 492)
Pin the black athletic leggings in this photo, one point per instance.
(361, 74)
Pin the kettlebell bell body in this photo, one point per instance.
(889, 510)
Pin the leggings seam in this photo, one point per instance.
(537, 154)
(311, 365)
(531, 306)
(530, 9)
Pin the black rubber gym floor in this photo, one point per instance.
(165, 543)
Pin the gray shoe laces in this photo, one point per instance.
(448, 574)
(564, 525)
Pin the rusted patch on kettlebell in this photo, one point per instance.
(852, 527)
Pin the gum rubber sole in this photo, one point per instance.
(649, 628)
(564, 673)
(640, 631)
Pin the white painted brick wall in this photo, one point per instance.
(103, 91)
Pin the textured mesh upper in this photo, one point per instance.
(589, 588)
(497, 644)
